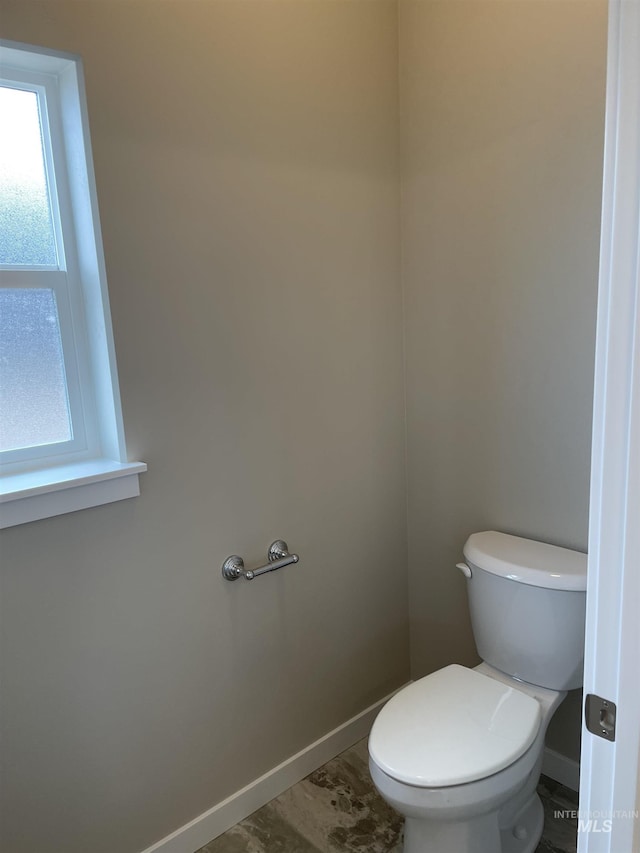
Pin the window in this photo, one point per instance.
(61, 436)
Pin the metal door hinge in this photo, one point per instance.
(600, 716)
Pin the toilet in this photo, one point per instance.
(459, 752)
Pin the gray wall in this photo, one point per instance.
(502, 107)
(247, 171)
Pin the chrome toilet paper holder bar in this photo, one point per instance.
(278, 555)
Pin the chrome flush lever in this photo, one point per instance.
(278, 555)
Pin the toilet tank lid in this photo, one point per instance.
(527, 561)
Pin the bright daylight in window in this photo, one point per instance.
(33, 387)
(61, 435)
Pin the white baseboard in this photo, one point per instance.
(561, 769)
(226, 814)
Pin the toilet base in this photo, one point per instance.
(523, 835)
(477, 835)
(481, 834)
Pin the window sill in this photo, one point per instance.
(66, 488)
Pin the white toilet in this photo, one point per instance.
(459, 752)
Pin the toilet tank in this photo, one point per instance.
(527, 602)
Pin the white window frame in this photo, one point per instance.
(92, 468)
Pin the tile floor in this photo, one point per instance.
(337, 810)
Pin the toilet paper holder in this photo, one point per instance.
(278, 556)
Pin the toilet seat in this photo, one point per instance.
(452, 727)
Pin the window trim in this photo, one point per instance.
(99, 472)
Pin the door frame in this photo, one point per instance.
(609, 789)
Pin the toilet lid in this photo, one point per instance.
(451, 727)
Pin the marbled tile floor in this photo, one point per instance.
(337, 810)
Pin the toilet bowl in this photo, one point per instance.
(492, 810)
(459, 752)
